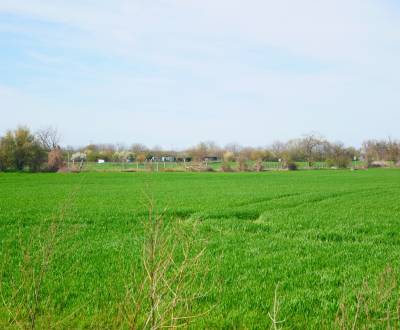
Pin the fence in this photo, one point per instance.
(187, 166)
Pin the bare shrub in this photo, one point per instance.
(164, 288)
(242, 164)
(258, 166)
(55, 160)
(141, 157)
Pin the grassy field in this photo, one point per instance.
(216, 166)
(319, 237)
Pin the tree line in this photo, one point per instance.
(21, 149)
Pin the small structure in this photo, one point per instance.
(78, 157)
(101, 161)
(163, 159)
(168, 159)
(210, 159)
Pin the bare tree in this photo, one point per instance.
(233, 147)
(312, 146)
(381, 150)
(204, 149)
(138, 148)
(278, 149)
(339, 156)
(49, 138)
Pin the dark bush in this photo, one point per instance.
(339, 162)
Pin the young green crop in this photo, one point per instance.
(318, 235)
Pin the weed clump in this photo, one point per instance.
(372, 307)
(170, 278)
(27, 295)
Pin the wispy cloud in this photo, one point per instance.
(210, 69)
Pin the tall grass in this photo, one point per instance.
(25, 294)
(165, 287)
(376, 305)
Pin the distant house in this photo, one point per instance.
(210, 159)
(166, 159)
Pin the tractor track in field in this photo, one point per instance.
(253, 209)
(241, 213)
(264, 200)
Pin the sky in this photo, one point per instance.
(176, 72)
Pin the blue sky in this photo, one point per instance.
(176, 72)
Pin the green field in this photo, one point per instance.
(318, 235)
(180, 166)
